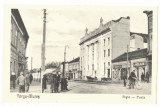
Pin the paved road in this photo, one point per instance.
(79, 87)
(84, 87)
(107, 88)
(35, 87)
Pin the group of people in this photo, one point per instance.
(132, 78)
(23, 81)
(55, 81)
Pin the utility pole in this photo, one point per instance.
(43, 44)
(127, 59)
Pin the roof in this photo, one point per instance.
(17, 16)
(131, 55)
(75, 60)
(100, 30)
(145, 36)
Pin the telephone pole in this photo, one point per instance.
(43, 44)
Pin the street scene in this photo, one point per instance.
(81, 50)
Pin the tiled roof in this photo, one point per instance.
(131, 55)
(145, 36)
(75, 60)
(17, 16)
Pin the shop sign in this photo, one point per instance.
(117, 66)
(125, 66)
(137, 64)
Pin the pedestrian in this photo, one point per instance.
(13, 80)
(44, 83)
(58, 81)
(31, 78)
(147, 77)
(132, 79)
(21, 83)
(53, 83)
(142, 77)
(124, 77)
(27, 82)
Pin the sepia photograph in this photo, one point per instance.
(81, 50)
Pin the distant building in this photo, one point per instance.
(19, 40)
(99, 47)
(137, 41)
(74, 69)
(137, 60)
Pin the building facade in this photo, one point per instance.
(137, 60)
(149, 40)
(74, 69)
(137, 41)
(19, 40)
(99, 47)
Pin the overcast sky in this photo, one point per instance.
(66, 25)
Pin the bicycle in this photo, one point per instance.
(137, 85)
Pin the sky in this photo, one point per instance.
(66, 25)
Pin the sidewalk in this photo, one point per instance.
(35, 87)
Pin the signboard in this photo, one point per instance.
(117, 66)
(137, 64)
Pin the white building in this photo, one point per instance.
(100, 46)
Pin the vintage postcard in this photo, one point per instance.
(80, 54)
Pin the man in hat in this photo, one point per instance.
(21, 83)
(27, 81)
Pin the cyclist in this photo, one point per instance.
(132, 79)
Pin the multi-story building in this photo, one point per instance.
(137, 41)
(103, 44)
(19, 40)
(149, 40)
(74, 68)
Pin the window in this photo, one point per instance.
(104, 53)
(108, 40)
(108, 63)
(104, 42)
(108, 52)
(92, 67)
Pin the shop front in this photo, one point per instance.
(140, 68)
(120, 69)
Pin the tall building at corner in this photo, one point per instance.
(100, 46)
(149, 40)
(19, 40)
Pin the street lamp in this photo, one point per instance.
(66, 46)
(63, 80)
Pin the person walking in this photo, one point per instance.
(53, 83)
(21, 83)
(124, 77)
(44, 83)
(147, 77)
(13, 80)
(27, 82)
(31, 78)
(58, 81)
